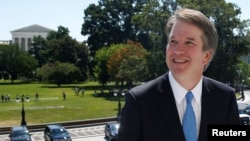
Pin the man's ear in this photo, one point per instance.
(207, 57)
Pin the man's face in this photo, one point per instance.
(184, 55)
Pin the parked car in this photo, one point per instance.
(111, 131)
(56, 132)
(247, 109)
(244, 118)
(20, 133)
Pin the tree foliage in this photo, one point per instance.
(38, 50)
(128, 63)
(59, 46)
(16, 62)
(144, 22)
(101, 58)
(109, 22)
(59, 73)
(151, 23)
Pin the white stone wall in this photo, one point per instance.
(24, 38)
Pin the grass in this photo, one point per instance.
(51, 107)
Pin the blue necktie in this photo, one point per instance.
(189, 121)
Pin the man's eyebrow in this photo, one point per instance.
(190, 38)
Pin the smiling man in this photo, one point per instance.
(157, 110)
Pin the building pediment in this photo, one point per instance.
(24, 36)
(33, 28)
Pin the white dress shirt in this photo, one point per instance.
(179, 95)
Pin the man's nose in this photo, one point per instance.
(179, 48)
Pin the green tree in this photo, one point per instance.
(101, 58)
(110, 22)
(39, 50)
(151, 22)
(232, 43)
(128, 64)
(59, 46)
(156, 64)
(146, 20)
(59, 73)
(113, 22)
(16, 62)
(242, 77)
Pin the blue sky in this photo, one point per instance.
(15, 14)
(244, 5)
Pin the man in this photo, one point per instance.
(155, 110)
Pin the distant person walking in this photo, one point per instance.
(7, 98)
(36, 97)
(2, 97)
(82, 91)
(27, 98)
(76, 90)
(64, 95)
(17, 98)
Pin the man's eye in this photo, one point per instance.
(172, 42)
(190, 43)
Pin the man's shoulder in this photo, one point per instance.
(211, 83)
(150, 86)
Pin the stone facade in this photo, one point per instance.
(24, 36)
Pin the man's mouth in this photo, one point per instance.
(180, 61)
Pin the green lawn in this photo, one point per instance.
(51, 107)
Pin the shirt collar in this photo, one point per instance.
(180, 92)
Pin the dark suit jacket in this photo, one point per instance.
(150, 112)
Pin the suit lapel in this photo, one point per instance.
(208, 106)
(169, 110)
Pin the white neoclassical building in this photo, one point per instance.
(24, 36)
